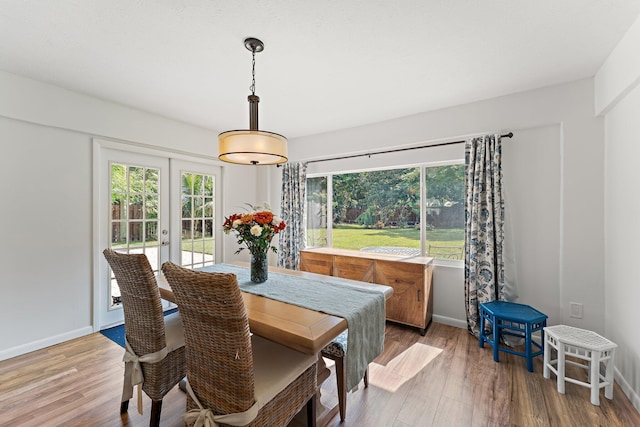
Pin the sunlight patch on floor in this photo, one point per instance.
(403, 367)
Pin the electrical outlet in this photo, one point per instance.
(575, 310)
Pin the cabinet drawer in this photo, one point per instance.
(316, 263)
(353, 268)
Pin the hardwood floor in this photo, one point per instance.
(441, 379)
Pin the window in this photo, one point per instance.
(377, 211)
(317, 211)
(380, 211)
(197, 242)
(444, 211)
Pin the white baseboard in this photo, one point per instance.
(627, 390)
(462, 324)
(46, 342)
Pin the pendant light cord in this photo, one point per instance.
(252, 88)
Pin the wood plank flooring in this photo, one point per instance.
(441, 379)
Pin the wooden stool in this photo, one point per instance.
(510, 318)
(585, 345)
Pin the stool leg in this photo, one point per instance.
(608, 376)
(547, 358)
(496, 339)
(595, 377)
(481, 332)
(527, 346)
(560, 368)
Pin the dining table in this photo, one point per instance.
(300, 328)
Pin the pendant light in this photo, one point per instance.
(252, 146)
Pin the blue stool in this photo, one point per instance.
(510, 318)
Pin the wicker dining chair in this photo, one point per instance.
(148, 332)
(232, 374)
(336, 351)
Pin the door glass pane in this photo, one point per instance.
(118, 234)
(187, 233)
(208, 186)
(134, 218)
(135, 234)
(198, 203)
(135, 206)
(136, 179)
(198, 219)
(151, 206)
(208, 229)
(151, 233)
(187, 203)
(208, 207)
(151, 181)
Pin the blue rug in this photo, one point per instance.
(116, 334)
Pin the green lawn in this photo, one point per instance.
(208, 246)
(358, 237)
(186, 245)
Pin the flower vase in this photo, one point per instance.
(259, 267)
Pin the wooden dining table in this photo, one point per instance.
(300, 328)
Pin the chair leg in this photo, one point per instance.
(311, 411)
(366, 378)
(156, 408)
(342, 387)
(124, 406)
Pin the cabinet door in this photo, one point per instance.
(316, 263)
(407, 304)
(353, 268)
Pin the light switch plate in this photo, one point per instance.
(575, 310)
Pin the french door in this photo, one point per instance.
(195, 213)
(147, 203)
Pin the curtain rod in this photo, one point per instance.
(507, 135)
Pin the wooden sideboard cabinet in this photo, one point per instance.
(410, 278)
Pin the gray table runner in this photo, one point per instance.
(364, 309)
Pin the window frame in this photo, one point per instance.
(423, 200)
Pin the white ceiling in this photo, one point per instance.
(327, 65)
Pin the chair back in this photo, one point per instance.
(217, 338)
(141, 303)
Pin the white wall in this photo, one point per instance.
(622, 231)
(532, 173)
(46, 221)
(46, 191)
(559, 143)
(618, 90)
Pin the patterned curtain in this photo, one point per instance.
(294, 198)
(484, 226)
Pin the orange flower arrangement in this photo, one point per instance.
(255, 229)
